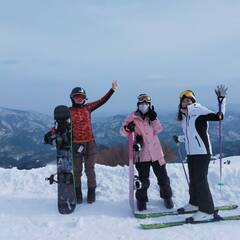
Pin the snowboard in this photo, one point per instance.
(65, 176)
(134, 182)
(131, 172)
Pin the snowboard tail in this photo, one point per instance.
(66, 193)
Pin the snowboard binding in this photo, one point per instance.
(137, 183)
(51, 179)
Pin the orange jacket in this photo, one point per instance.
(81, 119)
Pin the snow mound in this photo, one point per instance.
(28, 206)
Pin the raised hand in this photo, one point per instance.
(221, 91)
(114, 85)
(152, 114)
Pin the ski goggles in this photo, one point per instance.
(187, 93)
(144, 98)
(79, 97)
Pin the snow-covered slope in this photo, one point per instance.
(28, 207)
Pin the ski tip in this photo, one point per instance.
(235, 206)
(227, 207)
(139, 215)
(153, 226)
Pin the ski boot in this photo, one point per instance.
(200, 216)
(79, 195)
(141, 205)
(188, 208)
(91, 195)
(168, 203)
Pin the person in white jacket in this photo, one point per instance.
(194, 121)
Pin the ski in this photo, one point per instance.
(180, 223)
(169, 213)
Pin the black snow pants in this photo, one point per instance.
(199, 191)
(160, 172)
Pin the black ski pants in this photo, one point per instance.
(160, 172)
(199, 191)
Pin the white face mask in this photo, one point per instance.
(143, 107)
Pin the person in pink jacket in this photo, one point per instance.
(145, 125)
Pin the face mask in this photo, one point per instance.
(143, 107)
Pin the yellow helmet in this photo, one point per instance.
(187, 94)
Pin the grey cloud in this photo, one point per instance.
(9, 62)
(154, 46)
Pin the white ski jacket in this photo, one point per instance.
(195, 128)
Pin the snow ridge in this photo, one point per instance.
(28, 206)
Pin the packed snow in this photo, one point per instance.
(28, 208)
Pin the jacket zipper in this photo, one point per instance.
(187, 124)
(198, 141)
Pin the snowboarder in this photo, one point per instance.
(84, 146)
(145, 125)
(194, 120)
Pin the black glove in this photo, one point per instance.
(152, 114)
(175, 139)
(48, 138)
(221, 92)
(130, 127)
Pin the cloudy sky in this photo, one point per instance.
(159, 47)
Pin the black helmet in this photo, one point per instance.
(77, 90)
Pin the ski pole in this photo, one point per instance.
(221, 92)
(181, 159)
(220, 142)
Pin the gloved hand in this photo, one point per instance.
(152, 114)
(221, 92)
(48, 138)
(130, 127)
(175, 139)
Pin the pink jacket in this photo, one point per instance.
(151, 150)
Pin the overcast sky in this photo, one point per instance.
(159, 47)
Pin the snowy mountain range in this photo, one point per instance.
(21, 136)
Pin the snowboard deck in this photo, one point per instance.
(65, 176)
